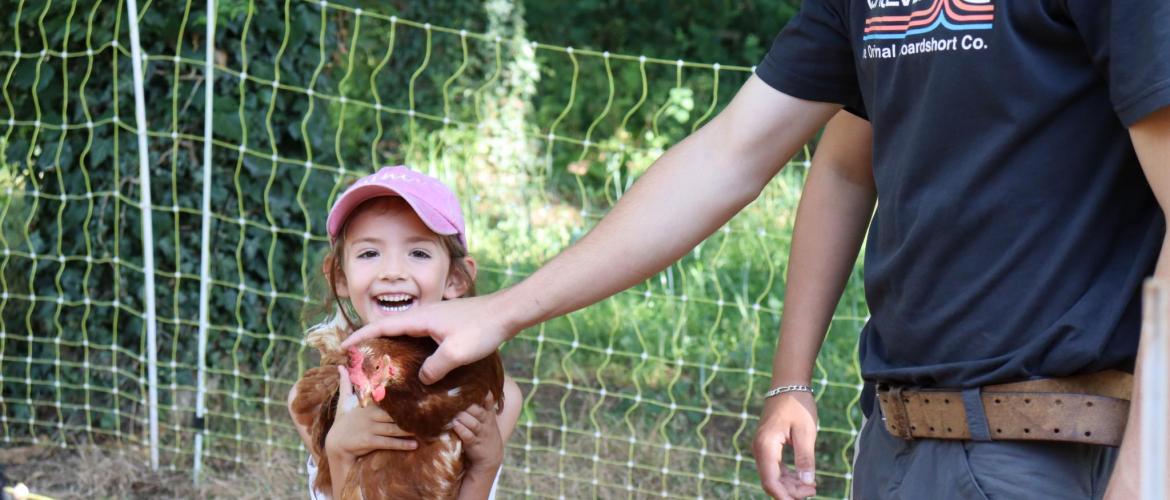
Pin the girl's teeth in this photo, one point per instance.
(394, 302)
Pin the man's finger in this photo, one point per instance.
(768, 454)
(792, 486)
(804, 453)
(408, 323)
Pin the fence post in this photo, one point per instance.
(1155, 388)
(205, 240)
(147, 232)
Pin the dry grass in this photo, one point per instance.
(88, 471)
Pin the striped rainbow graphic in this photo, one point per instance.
(952, 14)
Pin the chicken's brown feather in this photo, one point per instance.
(408, 474)
(315, 407)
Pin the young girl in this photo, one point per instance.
(398, 240)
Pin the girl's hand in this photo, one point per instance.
(357, 431)
(482, 444)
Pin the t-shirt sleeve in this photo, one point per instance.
(812, 58)
(1129, 41)
(858, 112)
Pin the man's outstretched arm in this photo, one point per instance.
(688, 193)
(1151, 140)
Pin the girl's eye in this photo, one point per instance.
(367, 254)
(420, 254)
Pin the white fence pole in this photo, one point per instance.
(1155, 383)
(147, 232)
(205, 239)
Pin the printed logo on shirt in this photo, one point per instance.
(941, 26)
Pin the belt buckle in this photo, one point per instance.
(900, 424)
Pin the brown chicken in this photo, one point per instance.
(385, 371)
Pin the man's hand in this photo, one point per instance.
(789, 419)
(466, 330)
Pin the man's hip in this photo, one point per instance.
(1089, 409)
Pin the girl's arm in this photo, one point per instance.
(483, 434)
(511, 412)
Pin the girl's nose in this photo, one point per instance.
(392, 271)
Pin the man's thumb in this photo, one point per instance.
(803, 448)
(435, 367)
(410, 324)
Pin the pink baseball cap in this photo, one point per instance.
(432, 200)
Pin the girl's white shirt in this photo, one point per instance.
(311, 468)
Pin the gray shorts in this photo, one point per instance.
(888, 467)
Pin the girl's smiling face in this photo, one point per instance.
(393, 261)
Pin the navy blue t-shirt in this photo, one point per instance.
(1014, 224)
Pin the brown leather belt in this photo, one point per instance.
(1083, 409)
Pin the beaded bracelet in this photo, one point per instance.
(788, 388)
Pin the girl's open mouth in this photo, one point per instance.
(394, 302)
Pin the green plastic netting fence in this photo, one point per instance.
(653, 392)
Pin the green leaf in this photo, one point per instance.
(225, 118)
